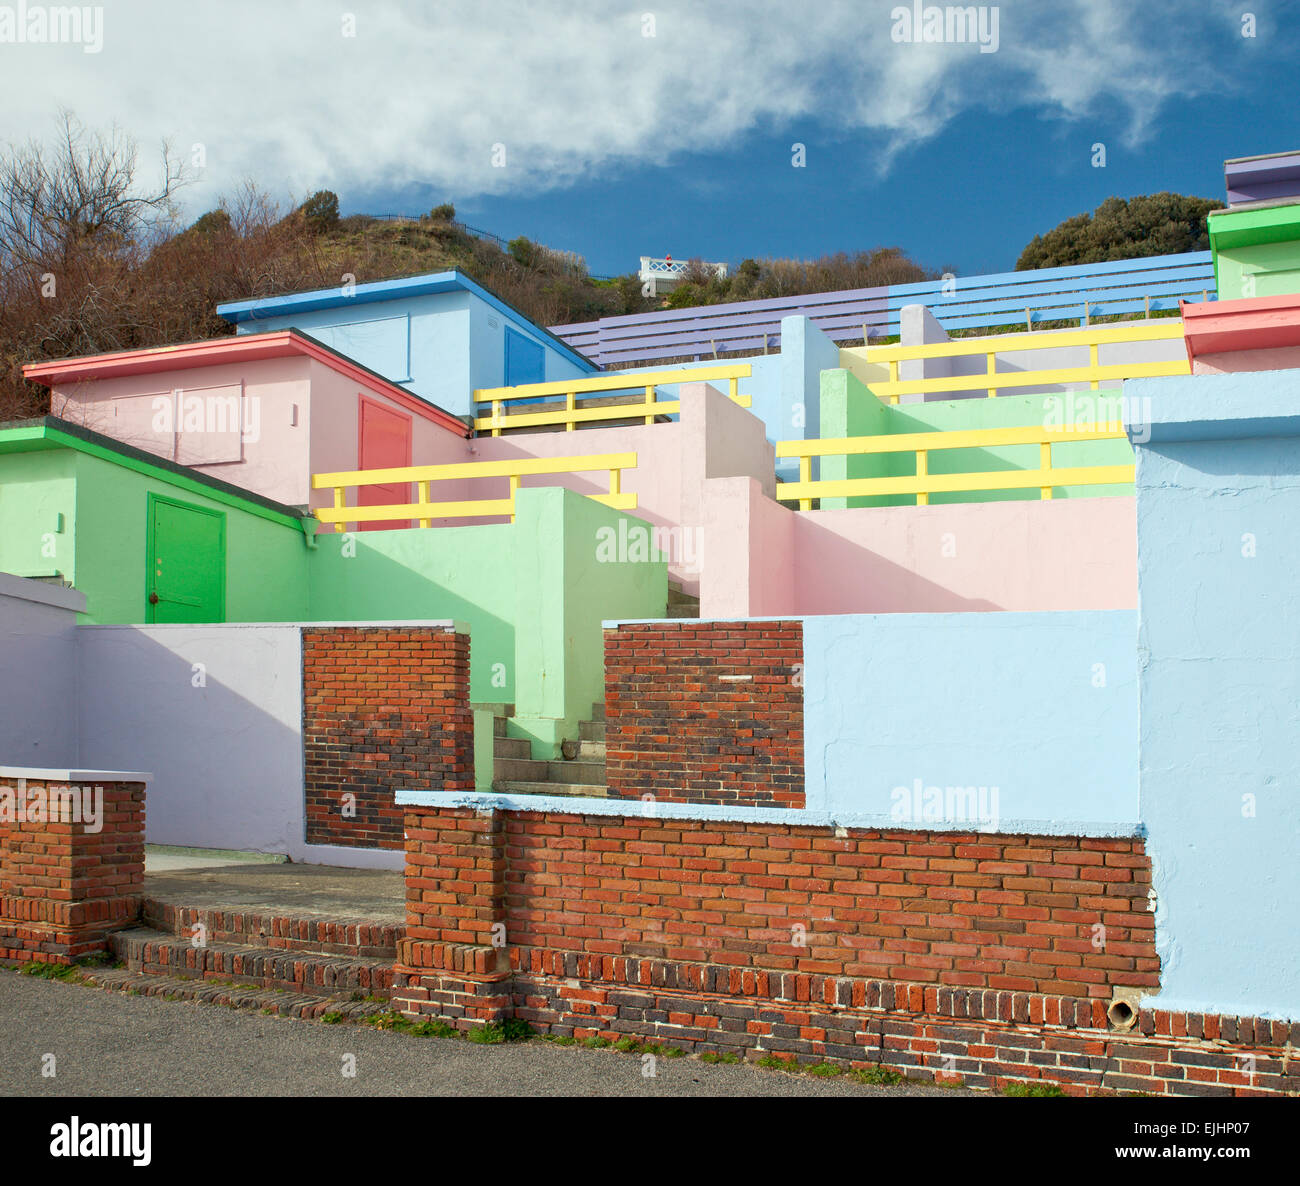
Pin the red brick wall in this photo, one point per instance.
(63, 888)
(977, 911)
(678, 729)
(384, 708)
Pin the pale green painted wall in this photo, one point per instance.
(1264, 269)
(849, 408)
(35, 489)
(266, 562)
(532, 592)
(463, 573)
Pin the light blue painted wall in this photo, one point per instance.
(1042, 706)
(1220, 688)
(439, 346)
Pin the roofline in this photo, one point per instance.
(423, 284)
(1267, 156)
(249, 347)
(64, 434)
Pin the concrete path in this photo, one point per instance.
(105, 1043)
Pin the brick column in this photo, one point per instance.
(71, 860)
(453, 962)
(705, 712)
(384, 708)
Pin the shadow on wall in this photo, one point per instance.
(864, 581)
(228, 767)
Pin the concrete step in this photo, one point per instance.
(518, 769)
(582, 789)
(155, 953)
(237, 996)
(684, 611)
(495, 707)
(592, 751)
(678, 596)
(588, 773)
(592, 731)
(598, 711)
(511, 747)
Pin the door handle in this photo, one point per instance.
(153, 598)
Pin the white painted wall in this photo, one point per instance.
(38, 673)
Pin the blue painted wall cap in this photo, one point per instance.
(1212, 407)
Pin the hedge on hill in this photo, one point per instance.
(1150, 224)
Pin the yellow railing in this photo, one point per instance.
(993, 380)
(425, 511)
(924, 483)
(571, 389)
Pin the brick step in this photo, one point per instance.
(154, 953)
(358, 938)
(511, 747)
(584, 789)
(592, 731)
(237, 996)
(519, 769)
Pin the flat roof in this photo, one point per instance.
(428, 284)
(50, 432)
(235, 349)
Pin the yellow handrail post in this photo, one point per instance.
(733, 384)
(893, 378)
(570, 403)
(514, 489)
(422, 493)
(922, 471)
(1094, 362)
(340, 527)
(1045, 464)
(496, 417)
(993, 370)
(805, 475)
(616, 481)
(649, 402)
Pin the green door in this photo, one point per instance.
(186, 580)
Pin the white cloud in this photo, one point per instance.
(276, 92)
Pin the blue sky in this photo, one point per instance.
(654, 127)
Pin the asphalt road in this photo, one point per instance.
(110, 1044)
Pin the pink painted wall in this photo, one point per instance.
(276, 456)
(1273, 358)
(274, 464)
(1065, 554)
(334, 409)
(714, 437)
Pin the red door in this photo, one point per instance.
(383, 442)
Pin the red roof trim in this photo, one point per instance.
(1251, 323)
(237, 349)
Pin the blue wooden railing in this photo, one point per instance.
(1131, 287)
